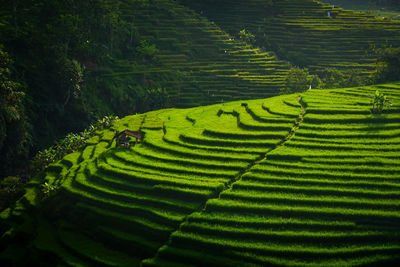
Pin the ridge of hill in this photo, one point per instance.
(213, 66)
(302, 32)
(302, 179)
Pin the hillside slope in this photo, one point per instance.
(90, 59)
(294, 180)
(214, 68)
(302, 31)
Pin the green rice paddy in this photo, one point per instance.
(308, 179)
(303, 30)
(318, 187)
(210, 65)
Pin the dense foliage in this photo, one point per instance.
(299, 79)
(14, 127)
(387, 65)
(56, 61)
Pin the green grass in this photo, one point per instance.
(224, 184)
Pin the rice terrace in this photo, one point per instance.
(242, 133)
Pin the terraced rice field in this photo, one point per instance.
(302, 29)
(391, 10)
(310, 179)
(214, 68)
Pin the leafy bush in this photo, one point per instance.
(332, 78)
(47, 188)
(379, 101)
(146, 51)
(387, 64)
(354, 79)
(72, 142)
(335, 78)
(156, 98)
(315, 81)
(299, 80)
(247, 36)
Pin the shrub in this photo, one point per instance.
(332, 78)
(247, 36)
(47, 189)
(147, 52)
(156, 98)
(315, 81)
(354, 79)
(387, 65)
(335, 78)
(296, 81)
(299, 80)
(379, 101)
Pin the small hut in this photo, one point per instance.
(122, 138)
